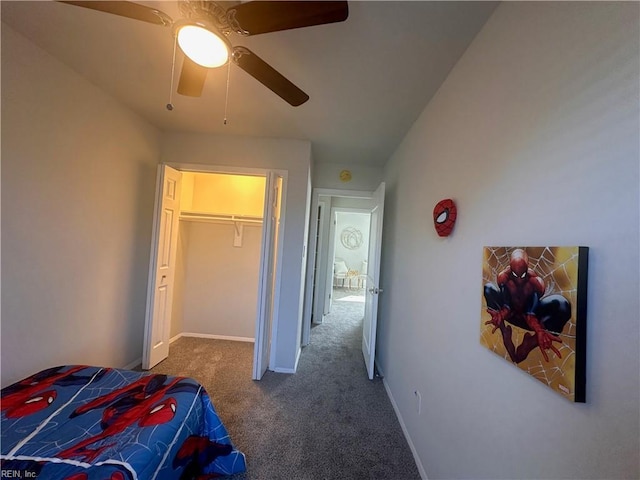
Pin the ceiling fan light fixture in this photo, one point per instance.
(202, 44)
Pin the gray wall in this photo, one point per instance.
(78, 185)
(221, 281)
(535, 135)
(363, 177)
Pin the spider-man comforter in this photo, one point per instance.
(85, 423)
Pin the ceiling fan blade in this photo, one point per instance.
(127, 9)
(268, 76)
(192, 78)
(253, 18)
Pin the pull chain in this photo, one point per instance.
(173, 70)
(226, 98)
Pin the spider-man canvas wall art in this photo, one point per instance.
(534, 312)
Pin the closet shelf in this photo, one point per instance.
(218, 217)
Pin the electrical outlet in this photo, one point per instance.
(418, 401)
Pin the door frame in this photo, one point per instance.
(333, 239)
(232, 170)
(313, 277)
(323, 267)
(270, 272)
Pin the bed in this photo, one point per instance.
(78, 422)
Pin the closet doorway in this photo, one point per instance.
(215, 260)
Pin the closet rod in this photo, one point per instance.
(219, 217)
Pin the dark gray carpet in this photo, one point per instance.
(327, 421)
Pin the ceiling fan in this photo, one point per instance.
(202, 35)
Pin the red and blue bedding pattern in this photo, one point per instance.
(78, 422)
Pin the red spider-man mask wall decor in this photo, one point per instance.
(444, 217)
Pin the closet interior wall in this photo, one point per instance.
(218, 256)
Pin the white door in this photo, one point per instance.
(372, 287)
(317, 292)
(328, 289)
(164, 244)
(267, 288)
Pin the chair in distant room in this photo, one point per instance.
(340, 272)
(362, 275)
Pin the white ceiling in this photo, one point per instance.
(368, 77)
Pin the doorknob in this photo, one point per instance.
(375, 290)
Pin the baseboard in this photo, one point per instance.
(283, 370)
(132, 365)
(423, 473)
(214, 337)
(288, 370)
